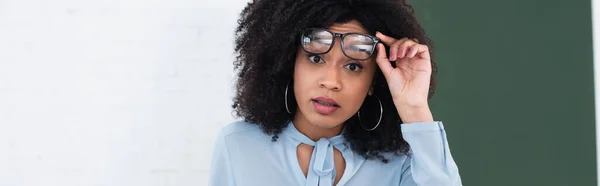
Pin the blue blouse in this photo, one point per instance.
(245, 156)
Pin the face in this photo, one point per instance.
(330, 87)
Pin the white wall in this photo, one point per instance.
(113, 92)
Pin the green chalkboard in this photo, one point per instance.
(515, 89)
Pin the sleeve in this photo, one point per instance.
(430, 162)
(221, 171)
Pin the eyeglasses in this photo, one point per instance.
(355, 46)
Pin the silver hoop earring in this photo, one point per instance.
(380, 116)
(286, 99)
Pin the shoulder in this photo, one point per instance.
(242, 132)
(238, 127)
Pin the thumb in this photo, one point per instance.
(382, 61)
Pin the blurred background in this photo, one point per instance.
(132, 92)
(516, 89)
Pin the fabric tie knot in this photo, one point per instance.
(324, 163)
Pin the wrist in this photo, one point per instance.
(415, 114)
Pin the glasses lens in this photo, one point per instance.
(316, 41)
(359, 46)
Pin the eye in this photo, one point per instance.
(315, 59)
(354, 67)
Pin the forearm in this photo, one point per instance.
(431, 163)
(415, 114)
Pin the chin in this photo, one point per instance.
(327, 122)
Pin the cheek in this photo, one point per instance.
(300, 69)
(357, 87)
(364, 81)
(300, 66)
(303, 79)
(355, 93)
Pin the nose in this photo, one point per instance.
(332, 80)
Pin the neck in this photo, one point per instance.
(314, 131)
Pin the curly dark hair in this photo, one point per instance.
(267, 39)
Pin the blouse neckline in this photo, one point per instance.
(321, 170)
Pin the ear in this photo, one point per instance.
(371, 89)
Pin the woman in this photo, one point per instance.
(332, 92)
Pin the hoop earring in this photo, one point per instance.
(380, 116)
(286, 98)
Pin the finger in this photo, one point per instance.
(387, 40)
(406, 45)
(412, 51)
(395, 49)
(421, 50)
(382, 61)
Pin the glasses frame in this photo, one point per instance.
(341, 36)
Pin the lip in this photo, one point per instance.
(328, 108)
(326, 100)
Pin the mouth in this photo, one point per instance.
(326, 101)
(325, 106)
